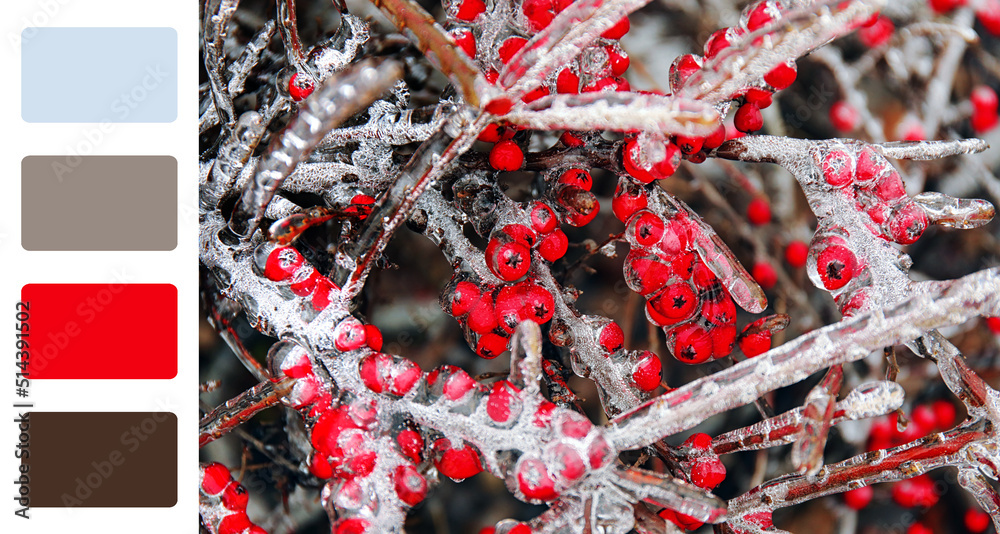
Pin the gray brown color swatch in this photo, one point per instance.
(102, 459)
(98, 203)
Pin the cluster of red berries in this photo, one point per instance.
(573, 445)
(748, 116)
(489, 315)
(684, 295)
(871, 183)
(295, 276)
(229, 499)
(705, 470)
(469, 21)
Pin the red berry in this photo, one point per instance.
(993, 323)
(755, 344)
(984, 108)
(646, 373)
(405, 375)
(617, 59)
(491, 345)
(676, 303)
(782, 75)
(689, 145)
(543, 219)
(836, 265)
(976, 520)
(410, 486)
(764, 274)
(878, 33)
(234, 523)
(693, 345)
(685, 522)
(716, 138)
(468, 10)
(465, 40)
(838, 168)
(215, 478)
(748, 118)
(944, 414)
(539, 305)
(374, 370)
(907, 223)
(723, 340)
(759, 212)
(373, 337)
(645, 228)
(509, 260)
(567, 82)
(859, 498)
(321, 293)
(538, 13)
(761, 97)
(457, 384)
(611, 337)
(456, 463)
(717, 42)
(411, 444)
(796, 253)
(944, 6)
(843, 117)
(646, 274)
(577, 177)
(300, 86)
(553, 246)
(349, 334)
(506, 156)
(482, 317)
(618, 30)
(282, 263)
(320, 467)
(708, 472)
(699, 441)
(235, 497)
(534, 481)
(521, 234)
(869, 166)
(671, 160)
(465, 295)
(683, 68)
(579, 206)
(988, 13)
(353, 525)
(510, 47)
(760, 15)
(627, 201)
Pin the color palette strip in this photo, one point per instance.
(98, 203)
(99, 459)
(101, 75)
(102, 331)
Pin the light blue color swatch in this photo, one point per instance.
(99, 75)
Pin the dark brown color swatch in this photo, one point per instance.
(98, 203)
(101, 459)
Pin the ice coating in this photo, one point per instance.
(359, 406)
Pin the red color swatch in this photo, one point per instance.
(101, 331)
